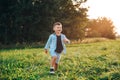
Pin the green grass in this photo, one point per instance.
(86, 61)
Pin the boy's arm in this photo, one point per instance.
(66, 40)
(47, 44)
(46, 51)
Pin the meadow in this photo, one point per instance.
(85, 61)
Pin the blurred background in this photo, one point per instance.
(30, 21)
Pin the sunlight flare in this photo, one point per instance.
(105, 8)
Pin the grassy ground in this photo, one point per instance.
(86, 61)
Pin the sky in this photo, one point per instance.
(105, 8)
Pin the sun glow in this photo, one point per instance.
(105, 8)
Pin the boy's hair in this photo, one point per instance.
(57, 23)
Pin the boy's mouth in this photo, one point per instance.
(59, 30)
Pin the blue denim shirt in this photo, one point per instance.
(51, 43)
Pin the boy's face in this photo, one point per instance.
(57, 28)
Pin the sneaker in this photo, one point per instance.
(52, 70)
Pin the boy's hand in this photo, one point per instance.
(66, 41)
(46, 51)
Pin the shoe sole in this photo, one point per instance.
(52, 72)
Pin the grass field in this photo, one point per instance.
(85, 61)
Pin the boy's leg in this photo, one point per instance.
(56, 66)
(53, 58)
(52, 68)
(57, 61)
(53, 61)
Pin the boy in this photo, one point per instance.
(56, 43)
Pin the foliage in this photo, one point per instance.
(31, 20)
(101, 27)
(92, 61)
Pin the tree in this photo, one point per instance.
(74, 19)
(101, 27)
(31, 20)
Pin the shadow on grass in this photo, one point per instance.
(47, 76)
(13, 47)
(113, 76)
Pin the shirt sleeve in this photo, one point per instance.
(48, 42)
(67, 39)
(64, 36)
